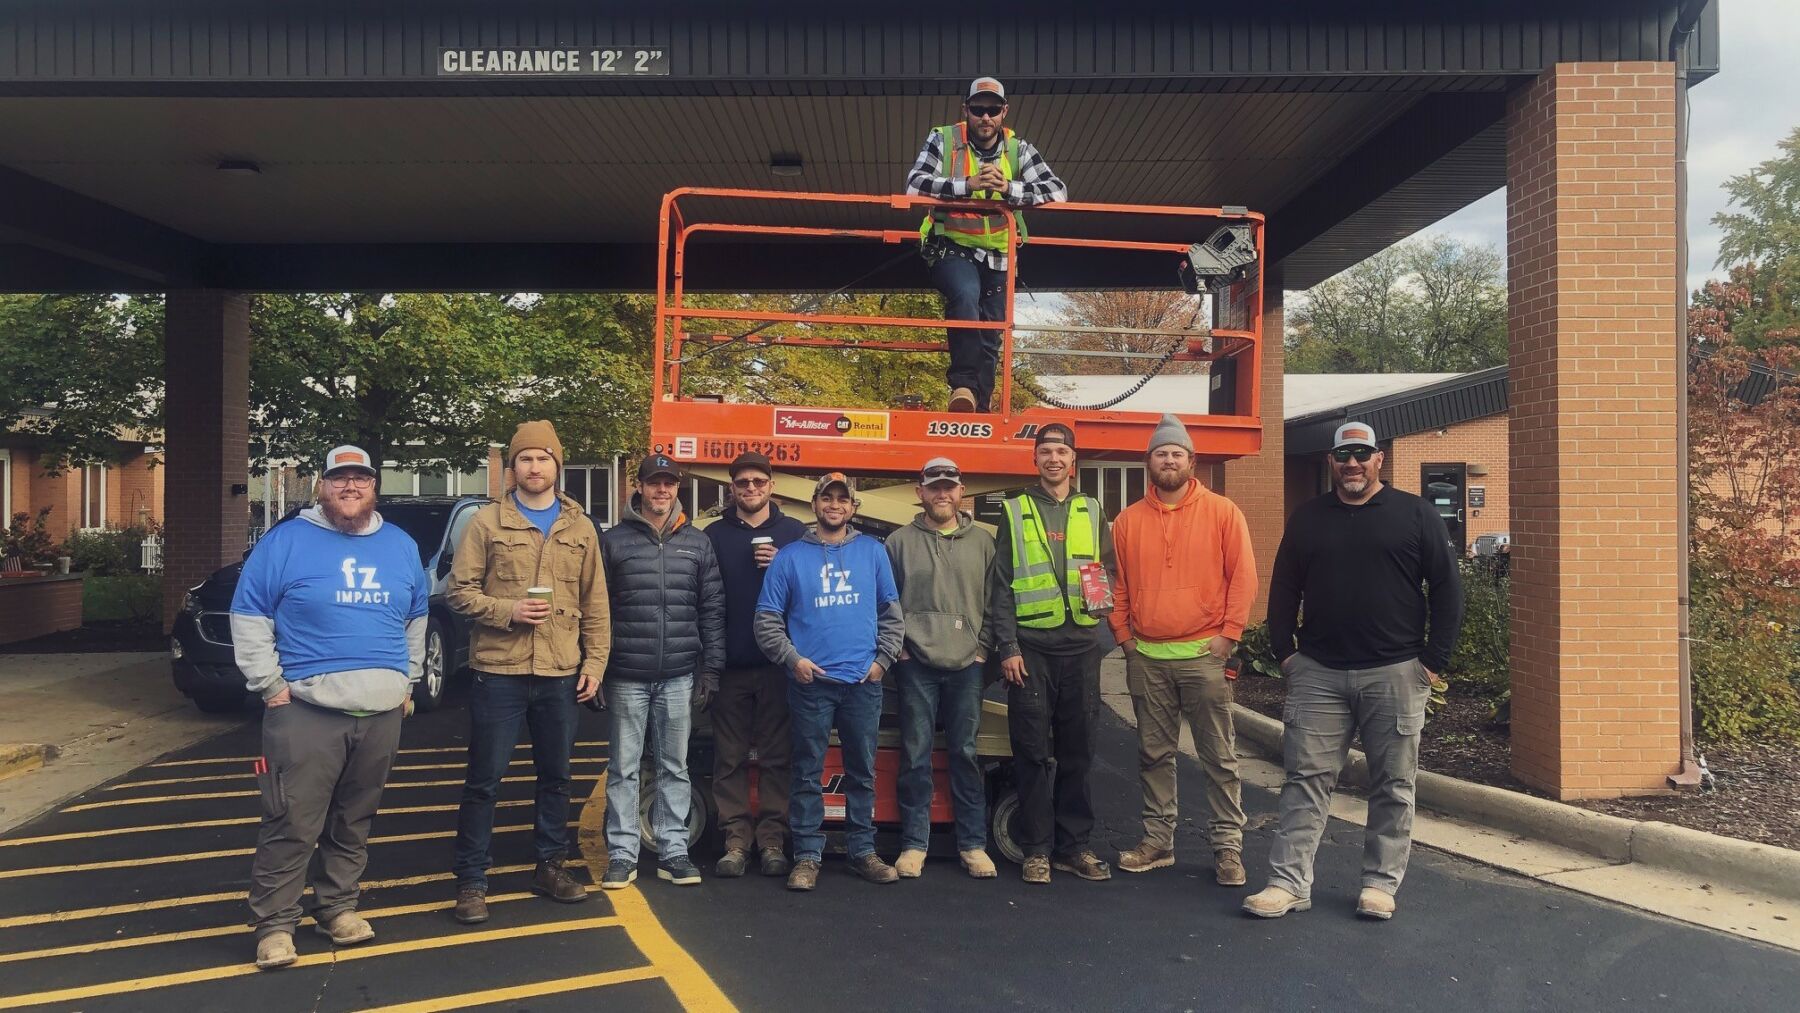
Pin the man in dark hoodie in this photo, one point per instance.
(750, 710)
(1050, 646)
(830, 614)
(941, 565)
(668, 626)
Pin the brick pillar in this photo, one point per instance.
(1590, 265)
(1258, 485)
(206, 437)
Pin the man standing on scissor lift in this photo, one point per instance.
(979, 158)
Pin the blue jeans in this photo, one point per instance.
(659, 710)
(498, 706)
(854, 708)
(971, 291)
(927, 696)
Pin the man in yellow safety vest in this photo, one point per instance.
(979, 158)
(1048, 588)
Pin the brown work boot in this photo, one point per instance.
(805, 875)
(1273, 902)
(977, 863)
(471, 905)
(1037, 869)
(962, 399)
(275, 950)
(346, 928)
(553, 881)
(1372, 903)
(1146, 856)
(910, 864)
(1087, 865)
(732, 864)
(1228, 867)
(873, 869)
(772, 862)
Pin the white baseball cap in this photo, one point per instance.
(1355, 434)
(987, 86)
(348, 456)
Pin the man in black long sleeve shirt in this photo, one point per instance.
(1357, 562)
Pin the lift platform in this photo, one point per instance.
(895, 439)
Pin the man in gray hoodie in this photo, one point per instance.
(328, 626)
(941, 564)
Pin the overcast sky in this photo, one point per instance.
(1737, 119)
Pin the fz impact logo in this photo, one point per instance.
(366, 592)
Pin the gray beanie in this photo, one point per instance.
(1170, 430)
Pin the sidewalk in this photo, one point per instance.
(88, 718)
(1674, 894)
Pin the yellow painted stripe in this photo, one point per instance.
(693, 987)
(82, 835)
(536, 989)
(240, 929)
(245, 777)
(201, 856)
(339, 956)
(191, 796)
(402, 752)
(164, 903)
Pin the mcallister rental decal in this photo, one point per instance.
(849, 425)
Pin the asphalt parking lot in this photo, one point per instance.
(130, 897)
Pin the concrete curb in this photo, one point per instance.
(20, 757)
(1758, 868)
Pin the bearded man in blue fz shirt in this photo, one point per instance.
(328, 626)
(830, 614)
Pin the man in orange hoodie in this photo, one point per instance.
(1185, 583)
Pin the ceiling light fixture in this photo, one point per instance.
(786, 165)
(240, 167)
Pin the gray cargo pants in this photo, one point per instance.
(1325, 706)
(320, 776)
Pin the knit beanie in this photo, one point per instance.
(1170, 430)
(535, 435)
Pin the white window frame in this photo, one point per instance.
(453, 480)
(611, 492)
(1100, 473)
(86, 506)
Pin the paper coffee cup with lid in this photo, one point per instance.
(542, 594)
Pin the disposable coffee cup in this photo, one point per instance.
(758, 542)
(542, 594)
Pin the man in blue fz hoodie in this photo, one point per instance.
(830, 615)
(328, 626)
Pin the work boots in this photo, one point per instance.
(773, 862)
(553, 881)
(873, 869)
(1146, 856)
(1372, 903)
(805, 875)
(910, 864)
(732, 864)
(1273, 902)
(346, 928)
(977, 864)
(1228, 867)
(1087, 865)
(1037, 869)
(275, 950)
(471, 906)
(962, 399)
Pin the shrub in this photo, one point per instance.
(28, 540)
(1482, 657)
(105, 553)
(127, 597)
(1257, 652)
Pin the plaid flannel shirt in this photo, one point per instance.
(1035, 183)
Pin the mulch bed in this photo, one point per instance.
(1755, 794)
(96, 638)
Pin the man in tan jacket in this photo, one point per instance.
(529, 573)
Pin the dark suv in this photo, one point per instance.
(207, 672)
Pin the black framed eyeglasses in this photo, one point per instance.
(1342, 455)
(750, 483)
(988, 111)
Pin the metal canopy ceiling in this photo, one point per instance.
(1349, 125)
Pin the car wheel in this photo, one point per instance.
(430, 690)
(220, 704)
(1003, 824)
(697, 813)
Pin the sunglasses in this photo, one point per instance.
(1342, 455)
(750, 483)
(989, 111)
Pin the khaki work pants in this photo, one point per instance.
(1164, 692)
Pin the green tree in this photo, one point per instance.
(1432, 305)
(1760, 244)
(80, 372)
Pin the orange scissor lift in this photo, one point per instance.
(994, 449)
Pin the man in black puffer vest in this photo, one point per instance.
(668, 642)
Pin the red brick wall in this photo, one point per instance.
(1591, 328)
(1477, 442)
(134, 490)
(1258, 484)
(33, 606)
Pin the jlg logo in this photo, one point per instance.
(1026, 432)
(834, 785)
